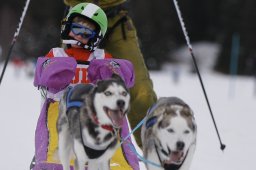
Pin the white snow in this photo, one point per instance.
(232, 100)
(206, 54)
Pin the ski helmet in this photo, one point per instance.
(91, 12)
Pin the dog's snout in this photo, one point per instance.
(120, 103)
(180, 145)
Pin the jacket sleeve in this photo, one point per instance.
(54, 73)
(101, 69)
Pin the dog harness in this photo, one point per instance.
(72, 103)
(151, 120)
(93, 153)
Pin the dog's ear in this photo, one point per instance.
(186, 112)
(98, 82)
(163, 121)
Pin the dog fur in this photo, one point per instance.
(169, 135)
(89, 133)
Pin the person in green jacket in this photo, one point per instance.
(122, 42)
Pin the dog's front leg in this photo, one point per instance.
(64, 148)
(94, 165)
(80, 155)
(105, 165)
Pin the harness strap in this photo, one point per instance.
(158, 155)
(110, 31)
(115, 10)
(151, 121)
(92, 153)
(83, 62)
(69, 103)
(123, 28)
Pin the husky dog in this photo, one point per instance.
(169, 135)
(88, 123)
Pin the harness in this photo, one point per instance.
(72, 103)
(93, 153)
(111, 13)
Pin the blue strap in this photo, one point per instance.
(152, 121)
(137, 126)
(133, 148)
(142, 158)
(74, 104)
(70, 103)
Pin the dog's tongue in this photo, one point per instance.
(175, 158)
(117, 118)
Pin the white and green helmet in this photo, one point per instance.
(92, 12)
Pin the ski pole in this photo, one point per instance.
(222, 146)
(16, 34)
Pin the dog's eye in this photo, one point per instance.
(170, 130)
(107, 93)
(124, 93)
(186, 131)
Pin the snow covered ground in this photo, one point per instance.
(232, 100)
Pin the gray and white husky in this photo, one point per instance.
(88, 123)
(169, 135)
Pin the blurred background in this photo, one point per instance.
(222, 32)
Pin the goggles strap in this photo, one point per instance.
(77, 43)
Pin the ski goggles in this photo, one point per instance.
(85, 32)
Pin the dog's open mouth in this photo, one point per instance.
(116, 116)
(176, 157)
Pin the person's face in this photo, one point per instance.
(86, 25)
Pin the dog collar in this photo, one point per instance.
(106, 127)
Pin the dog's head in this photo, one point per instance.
(111, 101)
(172, 127)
